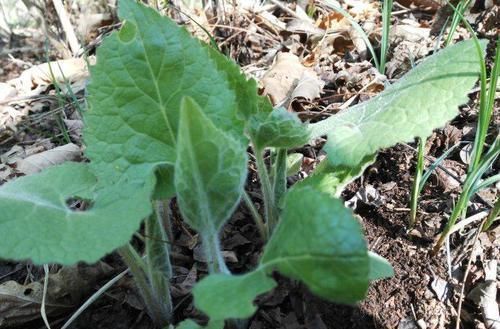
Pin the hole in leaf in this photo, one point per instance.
(79, 204)
(127, 32)
(27, 291)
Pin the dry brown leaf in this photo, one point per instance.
(484, 295)
(408, 32)
(35, 79)
(20, 304)
(363, 10)
(40, 161)
(288, 79)
(444, 179)
(301, 26)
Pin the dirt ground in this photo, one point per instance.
(425, 290)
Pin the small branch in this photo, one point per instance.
(74, 45)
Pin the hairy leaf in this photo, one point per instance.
(278, 128)
(224, 296)
(293, 163)
(246, 90)
(424, 99)
(142, 74)
(36, 222)
(379, 267)
(332, 179)
(319, 242)
(210, 171)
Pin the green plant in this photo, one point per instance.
(458, 13)
(492, 216)
(480, 162)
(418, 183)
(171, 117)
(421, 177)
(473, 183)
(386, 26)
(486, 105)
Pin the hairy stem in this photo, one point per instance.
(279, 181)
(159, 269)
(215, 259)
(138, 269)
(267, 192)
(261, 226)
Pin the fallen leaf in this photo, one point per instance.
(20, 304)
(484, 295)
(37, 162)
(288, 79)
(307, 27)
(7, 91)
(34, 80)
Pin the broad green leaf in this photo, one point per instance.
(424, 99)
(319, 242)
(223, 296)
(379, 267)
(36, 223)
(331, 179)
(210, 171)
(164, 188)
(246, 90)
(264, 105)
(142, 73)
(190, 324)
(279, 128)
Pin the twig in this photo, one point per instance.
(44, 296)
(93, 298)
(67, 27)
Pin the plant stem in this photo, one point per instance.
(162, 209)
(415, 189)
(215, 259)
(492, 216)
(279, 181)
(461, 7)
(261, 226)
(137, 268)
(159, 269)
(483, 121)
(386, 25)
(267, 192)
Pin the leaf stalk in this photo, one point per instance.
(267, 191)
